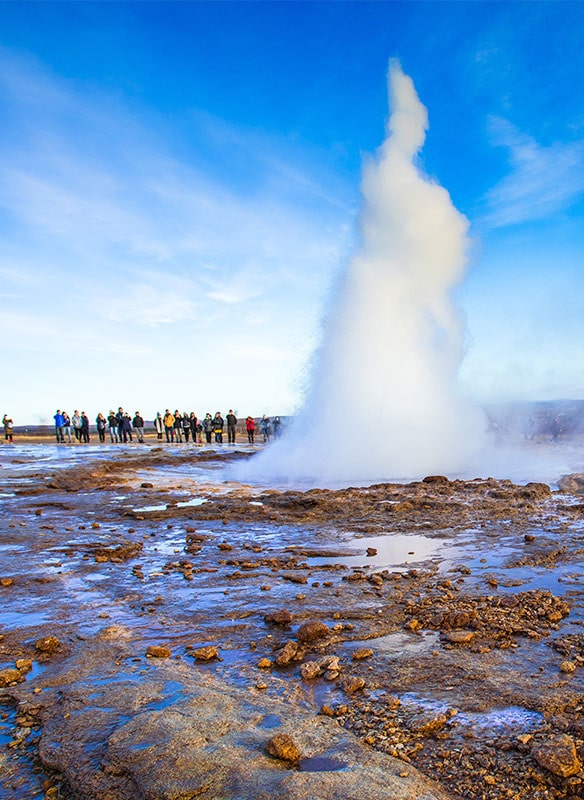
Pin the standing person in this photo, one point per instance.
(169, 426)
(138, 425)
(67, 426)
(159, 425)
(266, 429)
(250, 428)
(8, 428)
(112, 422)
(218, 424)
(120, 418)
(126, 428)
(59, 423)
(186, 425)
(277, 427)
(76, 425)
(84, 427)
(208, 427)
(193, 422)
(178, 428)
(231, 427)
(101, 424)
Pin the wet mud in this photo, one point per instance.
(424, 637)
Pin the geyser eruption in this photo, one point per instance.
(383, 401)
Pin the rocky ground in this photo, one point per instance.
(168, 634)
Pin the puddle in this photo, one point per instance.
(500, 721)
(196, 501)
(400, 643)
(322, 764)
(392, 550)
(270, 721)
(161, 507)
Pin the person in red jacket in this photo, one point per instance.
(250, 428)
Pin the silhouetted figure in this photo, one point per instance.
(231, 427)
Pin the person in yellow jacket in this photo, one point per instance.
(169, 425)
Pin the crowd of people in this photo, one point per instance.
(173, 427)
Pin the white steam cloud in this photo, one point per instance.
(383, 401)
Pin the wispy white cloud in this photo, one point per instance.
(127, 239)
(543, 179)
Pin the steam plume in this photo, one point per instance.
(383, 402)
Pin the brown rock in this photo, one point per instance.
(286, 654)
(311, 631)
(427, 723)
(10, 675)
(352, 685)
(558, 755)
(158, 651)
(48, 644)
(361, 653)
(6, 582)
(265, 663)
(206, 653)
(310, 670)
(283, 746)
(294, 577)
(283, 617)
(23, 664)
(460, 637)
(568, 666)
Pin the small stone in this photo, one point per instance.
(23, 664)
(413, 625)
(158, 651)
(489, 780)
(568, 666)
(283, 617)
(310, 670)
(146, 485)
(361, 653)
(48, 644)
(6, 582)
(558, 755)
(206, 653)
(311, 631)
(10, 675)
(265, 663)
(352, 685)
(286, 654)
(283, 747)
(371, 551)
(460, 637)
(427, 723)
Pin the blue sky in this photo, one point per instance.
(180, 183)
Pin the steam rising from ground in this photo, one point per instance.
(383, 402)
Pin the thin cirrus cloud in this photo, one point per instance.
(542, 180)
(95, 187)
